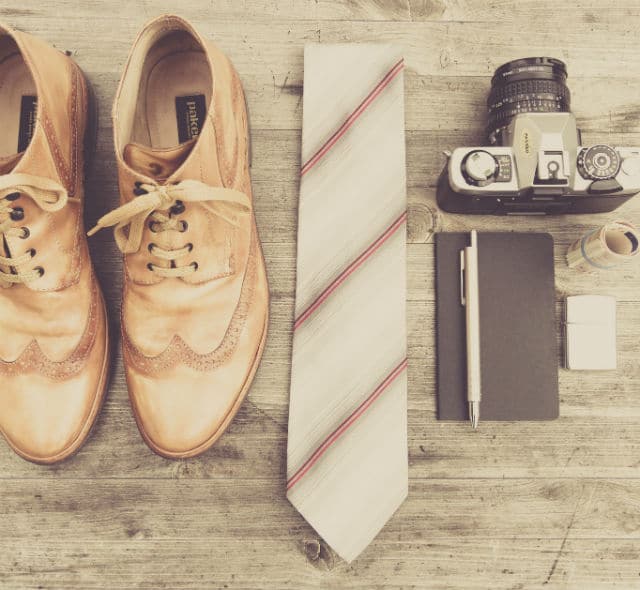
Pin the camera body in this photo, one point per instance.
(537, 164)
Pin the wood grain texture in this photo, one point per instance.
(513, 506)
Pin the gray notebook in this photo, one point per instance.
(519, 357)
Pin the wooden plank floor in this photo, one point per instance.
(512, 506)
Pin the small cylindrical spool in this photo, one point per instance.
(605, 248)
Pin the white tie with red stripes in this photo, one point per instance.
(347, 467)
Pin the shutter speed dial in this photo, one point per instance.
(598, 162)
(479, 168)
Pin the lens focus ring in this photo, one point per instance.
(514, 92)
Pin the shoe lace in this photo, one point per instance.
(151, 202)
(44, 192)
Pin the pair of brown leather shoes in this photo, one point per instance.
(195, 300)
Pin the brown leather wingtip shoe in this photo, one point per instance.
(53, 344)
(195, 302)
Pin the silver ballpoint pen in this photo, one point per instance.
(470, 300)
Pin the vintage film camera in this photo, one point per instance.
(535, 163)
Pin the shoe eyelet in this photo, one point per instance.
(12, 196)
(185, 226)
(152, 227)
(40, 270)
(138, 190)
(32, 251)
(177, 209)
(150, 266)
(195, 265)
(190, 247)
(155, 169)
(17, 214)
(25, 233)
(151, 246)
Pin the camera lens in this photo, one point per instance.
(529, 85)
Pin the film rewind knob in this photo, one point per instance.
(479, 168)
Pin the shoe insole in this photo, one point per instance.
(18, 104)
(178, 92)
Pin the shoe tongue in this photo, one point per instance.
(156, 163)
(8, 163)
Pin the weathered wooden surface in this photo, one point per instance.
(513, 506)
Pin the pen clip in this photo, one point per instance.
(463, 300)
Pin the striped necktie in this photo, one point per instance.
(347, 467)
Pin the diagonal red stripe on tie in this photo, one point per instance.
(351, 119)
(344, 426)
(350, 269)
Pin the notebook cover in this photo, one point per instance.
(519, 358)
